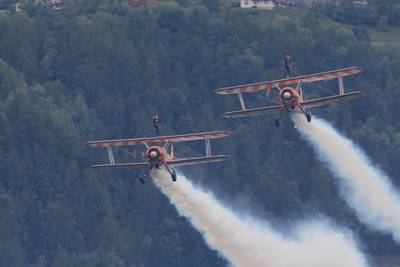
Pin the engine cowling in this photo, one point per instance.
(287, 95)
(154, 154)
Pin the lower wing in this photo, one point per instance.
(122, 165)
(252, 112)
(198, 160)
(175, 162)
(331, 99)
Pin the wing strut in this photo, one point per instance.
(166, 145)
(241, 101)
(208, 148)
(299, 89)
(277, 86)
(341, 87)
(145, 144)
(110, 155)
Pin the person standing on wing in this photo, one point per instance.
(288, 65)
(157, 124)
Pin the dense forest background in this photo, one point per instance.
(380, 13)
(100, 69)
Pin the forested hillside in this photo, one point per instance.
(101, 69)
(381, 13)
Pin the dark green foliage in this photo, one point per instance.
(379, 13)
(101, 69)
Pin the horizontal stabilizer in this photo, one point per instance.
(252, 112)
(331, 99)
(159, 139)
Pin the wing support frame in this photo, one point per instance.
(110, 155)
(341, 86)
(299, 89)
(277, 86)
(241, 101)
(208, 147)
(146, 145)
(166, 145)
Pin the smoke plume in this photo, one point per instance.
(246, 242)
(364, 187)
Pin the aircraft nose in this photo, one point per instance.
(286, 95)
(153, 154)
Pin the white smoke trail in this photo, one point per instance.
(246, 242)
(364, 187)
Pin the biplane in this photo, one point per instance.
(291, 98)
(157, 155)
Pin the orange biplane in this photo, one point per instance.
(290, 98)
(157, 156)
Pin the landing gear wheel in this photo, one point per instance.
(173, 175)
(277, 122)
(141, 179)
(308, 115)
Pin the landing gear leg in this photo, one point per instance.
(277, 122)
(306, 113)
(172, 172)
(278, 119)
(142, 179)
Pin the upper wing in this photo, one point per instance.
(172, 138)
(198, 160)
(255, 87)
(122, 165)
(331, 99)
(252, 112)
